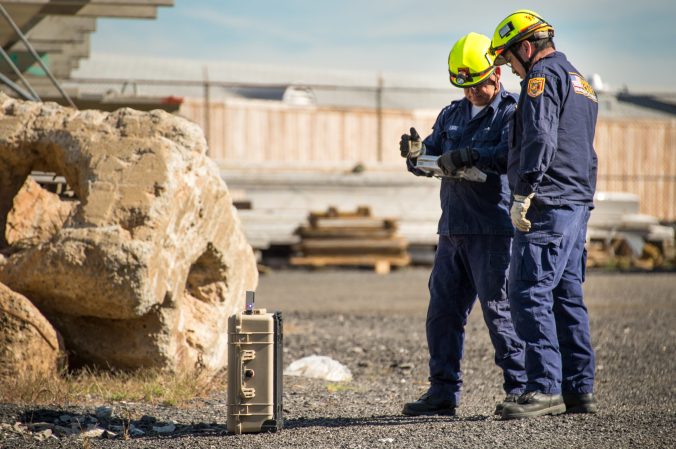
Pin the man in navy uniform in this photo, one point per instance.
(552, 174)
(474, 230)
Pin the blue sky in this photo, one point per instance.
(629, 43)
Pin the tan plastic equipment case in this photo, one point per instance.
(254, 371)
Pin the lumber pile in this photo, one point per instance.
(334, 238)
(618, 236)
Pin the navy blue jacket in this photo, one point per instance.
(469, 207)
(551, 148)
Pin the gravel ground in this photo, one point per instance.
(375, 325)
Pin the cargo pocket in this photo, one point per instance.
(539, 253)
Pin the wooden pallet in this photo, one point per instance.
(336, 238)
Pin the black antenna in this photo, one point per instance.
(250, 302)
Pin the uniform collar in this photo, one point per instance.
(537, 67)
(554, 55)
(498, 98)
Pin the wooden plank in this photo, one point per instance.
(364, 245)
(333, 212)
(382, 267)
(352, 247)
(344, 233)
(341, 252)
(377, 262)
(354, 223)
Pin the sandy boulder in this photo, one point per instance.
(36, 215)
(29, 345)
(152, 259)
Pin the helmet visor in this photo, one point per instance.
(498, 54)
(499, 60)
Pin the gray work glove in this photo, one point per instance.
(411, 145)
(518, 212)
(453, 161)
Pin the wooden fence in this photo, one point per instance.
(637, 156)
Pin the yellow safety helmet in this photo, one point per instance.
(470, 62)
(516, 27)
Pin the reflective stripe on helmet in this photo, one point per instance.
(463, 76)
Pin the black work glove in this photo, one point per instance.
(455, 160)
(411, 145)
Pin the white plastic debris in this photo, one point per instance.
(319, 367)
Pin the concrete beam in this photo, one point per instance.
(60, 61)
(61, 28)
(141, 9)
(25, 17)
(131, 12)
(39, 46)
(85, 2)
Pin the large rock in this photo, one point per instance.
(152, 260)
(36, 216)
(29, 345)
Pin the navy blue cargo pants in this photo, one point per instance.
(464, 266)
(545, 292)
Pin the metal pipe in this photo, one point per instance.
(36, 56)
(16, 70)
(16, 88)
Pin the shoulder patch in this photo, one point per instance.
(582, 87)
(535, 86)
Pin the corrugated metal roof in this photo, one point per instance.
(153, 77)
(116, 66)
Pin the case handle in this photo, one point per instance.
(246, 355)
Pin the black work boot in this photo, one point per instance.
(579, 402)
(430, 405)
(533, 404)
(509, 399)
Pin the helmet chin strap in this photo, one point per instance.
(525, 64)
